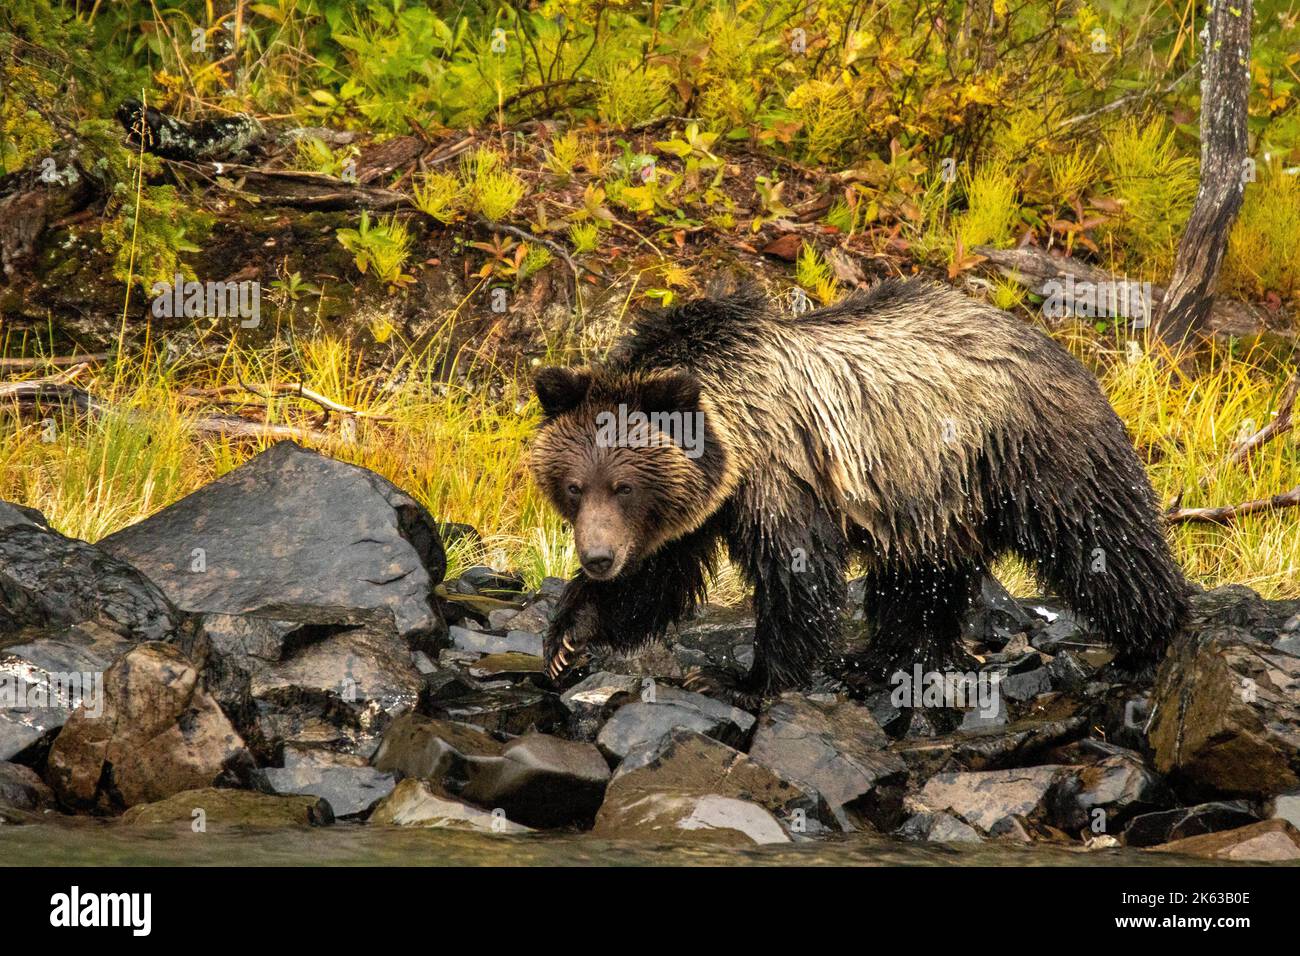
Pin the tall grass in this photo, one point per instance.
(460, 449)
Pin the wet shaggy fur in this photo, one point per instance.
(909, 425)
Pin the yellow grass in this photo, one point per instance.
(460, 450)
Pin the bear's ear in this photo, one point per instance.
(561, 389)
(671, 392)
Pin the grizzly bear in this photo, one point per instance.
(908, 426)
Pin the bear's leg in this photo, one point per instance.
(797, 566)
(1091, 528)
(915, 612)
(634, 608)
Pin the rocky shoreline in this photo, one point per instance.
(280, 649)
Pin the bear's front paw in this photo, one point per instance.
(567, 640)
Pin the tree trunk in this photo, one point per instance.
(1225, 86)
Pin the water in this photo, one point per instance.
(88, 842)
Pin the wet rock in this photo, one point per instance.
(1227, 710)
(503, 708)
(159, 733)
(419, 746)
(485, 642)
(720, 638)
(1105, 795)
(210, 807)
(415, 803)
(990, 800)
(1016, 744)
(938, 828)
(350, 791)
(258, 539)
(1165, 826)
(1058, 628)
(684, 761)
(552, 588)
(1271, 841)
(1025, 685)
(49, 581)
(835, 749)
(43, 680)
(646, 721)
(703, 818)
(315, 676)
(21, 789)
(995, 616)
(592, 700)
(1068, 672)
(687, 786)
(533, 619)
(540, 781)
(485, 580)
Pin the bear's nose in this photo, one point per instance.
(598, 560)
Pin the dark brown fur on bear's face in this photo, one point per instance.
(628, 490)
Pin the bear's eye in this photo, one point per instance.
(623, 490)
(575, 489)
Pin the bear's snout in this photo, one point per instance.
(597, 561)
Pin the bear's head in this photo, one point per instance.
(631, 460)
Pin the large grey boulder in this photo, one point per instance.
(292, 528)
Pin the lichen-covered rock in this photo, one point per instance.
(211, 807)
(686, 763)
(261, 538)
(991, 800)
(159, 733)
(1227, 712)
(416, 803)
(1269, 841)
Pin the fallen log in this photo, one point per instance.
(1226, 514)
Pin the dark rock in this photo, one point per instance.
(507, 709)
(326, 677)
(938, 828)
(1272, 841)
(1236, 606)
(533, 619)
(42, 681)
(989, 800)
(646, 721)
(199, 809)
(49, 581)
(485, 642)
(1025, 685)
(1227, 711)
(21, 789)
(999, 747)
(417, 803)
(441, 750)
(485, 580)
(350, 791)
(258, 539)
(456, 535)
(995, 616)
(540, 781)
(159, 734)
(1165, 826)
(1068, 672)
(552, 588)
(1059, 628)
(592, 700)
(1124, 715)
(834, 749)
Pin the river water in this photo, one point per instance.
(88, 842)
